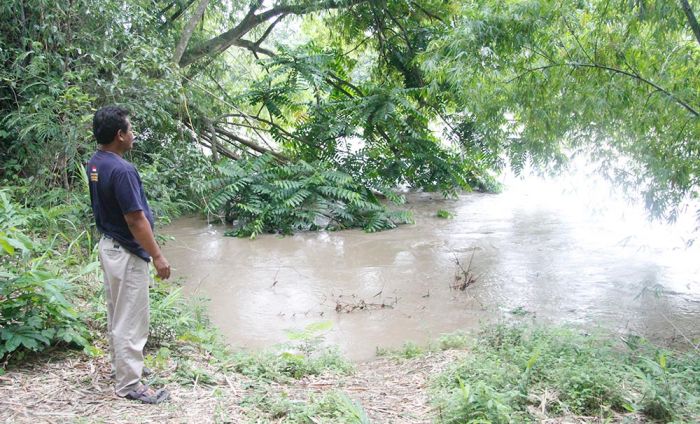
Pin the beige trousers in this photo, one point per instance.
(126, 281)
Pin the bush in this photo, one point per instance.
(170, 317)
(34, 313)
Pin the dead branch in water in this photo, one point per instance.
(463, 277)
(360, 305)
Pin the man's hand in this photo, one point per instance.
(162, 267)
(141, 230)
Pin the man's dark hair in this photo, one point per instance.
(108, 121)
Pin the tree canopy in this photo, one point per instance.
(426, 94)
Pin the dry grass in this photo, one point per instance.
(389, 390)
(75, 388)
(70, 387)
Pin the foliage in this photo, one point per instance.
(173, 178)
(457, 340)
(34, 311)
(265, 196)
(426, 94)
(302, 356)
(60, 61)
(34, 314)
(561, 372)
(614, 80)
(170, 317)
(408, 350)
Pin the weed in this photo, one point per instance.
(408, 350)
(34, 310)
(302, 356)
(463, 277)
(281, 367)
(441, 213)
(330, 407)
(169, 316)
(513, 370)
(456, 340)
(411, 350)
(187, 373)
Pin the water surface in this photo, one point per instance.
(557, 263)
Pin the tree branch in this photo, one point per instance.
(219, 148)
(247, 117)
(189, 29)
(615, 71)
(691, 19)
(213, 140)
(177, 13)
(269, 29)
(250, 144)
(253, 47)
(229, 38)
(426, 12)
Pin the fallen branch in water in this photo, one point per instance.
(360, 305)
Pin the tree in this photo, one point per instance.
(617, 80)
(429, 94)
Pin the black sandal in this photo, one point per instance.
(145, 395)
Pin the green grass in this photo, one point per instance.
(330, 407)
(410, 350)
(512, 369)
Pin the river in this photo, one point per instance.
(531, 253)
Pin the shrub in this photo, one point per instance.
(34, 312)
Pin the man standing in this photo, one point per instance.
(127, 246)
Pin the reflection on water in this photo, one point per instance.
(556, 261)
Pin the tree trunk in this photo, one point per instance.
(189, 29)
(214, 142)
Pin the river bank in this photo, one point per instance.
(506, 373)
(74, 388)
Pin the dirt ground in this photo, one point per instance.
(76, 388)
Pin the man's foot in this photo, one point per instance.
(144, 394)
(145, 372)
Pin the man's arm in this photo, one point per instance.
(141, 230)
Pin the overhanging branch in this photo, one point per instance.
(668, 94)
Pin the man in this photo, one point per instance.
(127, 246)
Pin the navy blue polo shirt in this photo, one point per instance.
(115, 190)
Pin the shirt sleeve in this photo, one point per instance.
(127, 191)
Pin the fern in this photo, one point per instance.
(297, 196)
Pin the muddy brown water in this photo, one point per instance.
(528, 260)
